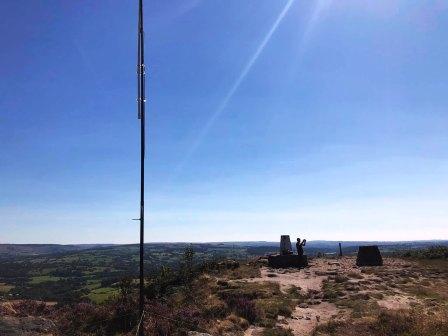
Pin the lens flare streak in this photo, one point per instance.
(222, 106)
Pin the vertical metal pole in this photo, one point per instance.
(141, 116)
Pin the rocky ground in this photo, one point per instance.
(338, 292)
(331, 297)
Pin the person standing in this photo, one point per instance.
(299, 246)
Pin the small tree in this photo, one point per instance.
(187, 267)
(126, 287)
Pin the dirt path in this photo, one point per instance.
(305, 316)
(304, 279)
(396, 302)
(305, 319)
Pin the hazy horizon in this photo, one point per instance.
(322, 119)
(238, 242)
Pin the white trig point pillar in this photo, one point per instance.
(285, 245)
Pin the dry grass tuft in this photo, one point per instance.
(389, 323)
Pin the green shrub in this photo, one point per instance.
(433, 252)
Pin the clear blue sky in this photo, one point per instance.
(319, 119)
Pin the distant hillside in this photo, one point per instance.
(324, 246)
(252, 247)
(38, 249)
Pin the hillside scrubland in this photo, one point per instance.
(406, 296)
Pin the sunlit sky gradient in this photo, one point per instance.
(319, 119)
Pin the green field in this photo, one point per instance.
(4, 288)
(43, 278)
(102, 294)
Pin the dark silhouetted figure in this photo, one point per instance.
(299, 246)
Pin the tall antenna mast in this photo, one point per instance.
(141, 115)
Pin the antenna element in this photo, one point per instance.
(141, 100)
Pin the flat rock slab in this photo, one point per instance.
(286, 261)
